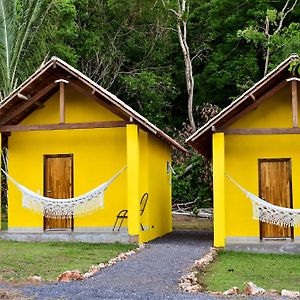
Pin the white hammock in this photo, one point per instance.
(64, 208)
(270, 213)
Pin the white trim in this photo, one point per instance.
(61, 80)
(293, 78)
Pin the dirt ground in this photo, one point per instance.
(181, 222)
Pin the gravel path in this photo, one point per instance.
(149, 274)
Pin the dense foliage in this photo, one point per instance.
(131, 47)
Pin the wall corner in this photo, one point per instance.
(219, 188)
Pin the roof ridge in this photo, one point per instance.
(104, 92)
(210, 123)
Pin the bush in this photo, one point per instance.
(193, 181)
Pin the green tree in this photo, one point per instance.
(125, 46)
(25, 28)
(271, 35)
(65, 32)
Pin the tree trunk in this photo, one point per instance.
(182, 35)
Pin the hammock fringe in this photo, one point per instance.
(269, 213)
(64, 208)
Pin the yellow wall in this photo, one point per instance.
(241, 161)
(98, 154)
(219, 189)
(144, 184)
(133, 163)
(153, 156)
(159, 185)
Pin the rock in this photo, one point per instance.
(214, 293)
(35, 279)
(271, 293)
(122, 256)
(88, 275)
(68, 276)
(252, 289)
(102, 266)
(189, 283)
(233, 291)
(112, 262)
(206, 259)
(94, 269)
(290, 294)
(141, 247)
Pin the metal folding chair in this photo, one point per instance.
(122, 215)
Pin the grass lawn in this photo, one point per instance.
(18, 260)
(181, 222)
(3, 222)
(269, 271)
(3, 226)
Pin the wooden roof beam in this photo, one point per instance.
(26, 98)
(294, 92)
(260, 131)
(64, 126)
(11, 115)
(62, 83)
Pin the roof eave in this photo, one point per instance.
(127, 110)
(243, 97)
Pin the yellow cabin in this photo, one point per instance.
(66, 135)
(255, 142)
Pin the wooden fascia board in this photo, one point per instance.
(241, 99)
(126, 111)
(23, 86)
(15, 112)
(64, 126)
(231, 120)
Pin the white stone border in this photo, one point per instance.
(189, 283)
(75, 275)
(122, 256)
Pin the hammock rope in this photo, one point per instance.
(270, 213)
(64, 208)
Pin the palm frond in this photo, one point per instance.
(25, 27)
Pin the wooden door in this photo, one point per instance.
(275, 186)
(58, 183)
